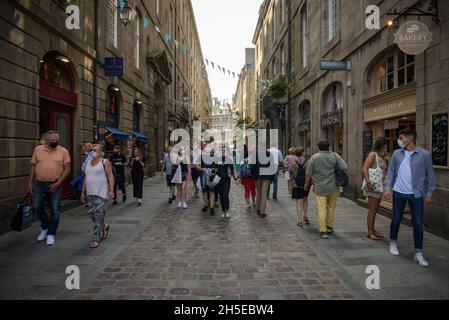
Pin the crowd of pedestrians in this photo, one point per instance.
(407, 177)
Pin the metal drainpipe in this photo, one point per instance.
(289, 73)
(95, 66)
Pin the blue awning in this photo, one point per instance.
(141, 137)
(118, 134)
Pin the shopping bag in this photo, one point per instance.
(177, 178)
(23, 218)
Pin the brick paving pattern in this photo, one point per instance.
(186, 254)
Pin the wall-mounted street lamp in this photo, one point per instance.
(125, 13)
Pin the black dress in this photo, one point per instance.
(137, 175)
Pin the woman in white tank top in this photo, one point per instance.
(98, 188)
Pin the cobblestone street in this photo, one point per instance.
(160, 252)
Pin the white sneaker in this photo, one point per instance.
(50, 240)
(180, 205)
(223, 215)
(228, 213)
(184, 205)
(394, 249)
(420, 259)
(42, 235)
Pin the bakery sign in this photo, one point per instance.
(390, 109)
(413, 37)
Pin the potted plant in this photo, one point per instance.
(279, 89)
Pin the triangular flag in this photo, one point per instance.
(167, 38)
(133, 14)
(213, 65)
(207, 62)
(233, 74)
(146, 23)
(177, 43)
(157, 29)
(122, 4)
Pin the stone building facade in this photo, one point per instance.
(47, 82)
(271, 41)
(384, 91)
(245, 95)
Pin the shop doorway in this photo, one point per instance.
(57, 103)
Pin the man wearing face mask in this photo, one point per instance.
(119, 162)
(50, 166)
(411, 178)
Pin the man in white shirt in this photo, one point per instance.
(278, 158)
(412, 179)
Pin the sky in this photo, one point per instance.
(226, 28)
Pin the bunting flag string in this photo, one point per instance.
(167, 38)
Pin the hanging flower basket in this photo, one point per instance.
(279, 89)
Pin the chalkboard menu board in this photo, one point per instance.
(367, 143)
(440, 140)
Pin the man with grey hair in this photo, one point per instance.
(50, 167)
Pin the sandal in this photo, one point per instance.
(94, 244)
(300, 224)
(373, 236)
(379, 234)
(307, 221)
(106, 232)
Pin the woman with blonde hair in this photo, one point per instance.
(289, 163)
(98, 188)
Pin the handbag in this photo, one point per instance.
(376, 177)
(341, 178)
(177, 178)
(213, 181)
(23, 218)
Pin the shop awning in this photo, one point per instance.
(141, 137)
(118, 134)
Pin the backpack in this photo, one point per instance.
(300, 178)
(245, 170)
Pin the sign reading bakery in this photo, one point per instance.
(413, 37)
(387, 109)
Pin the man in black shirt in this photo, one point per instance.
(119, 162)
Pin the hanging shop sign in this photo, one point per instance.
(332, 118)
(335, 65)
(413, 37)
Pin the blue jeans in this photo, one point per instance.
(40, 197)
(275, 186)
(417, 208)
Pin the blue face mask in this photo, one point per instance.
(401, 144)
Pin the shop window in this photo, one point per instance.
(56, 73)
(113, 108)
(394, 71)
(332, 98)
(113, 22)
(136, 117)
(137, 42)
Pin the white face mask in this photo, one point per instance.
(94, 154)
(401, 144)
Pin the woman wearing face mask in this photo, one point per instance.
(137, 164)
(376, 159)
(98, 188)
